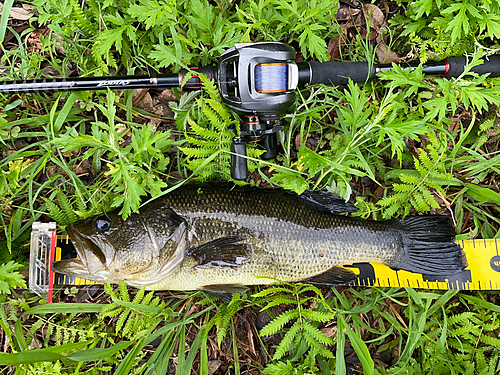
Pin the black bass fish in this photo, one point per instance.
(217, 239)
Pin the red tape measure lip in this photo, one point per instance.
(51, 260)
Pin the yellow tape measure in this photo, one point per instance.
(483, 272)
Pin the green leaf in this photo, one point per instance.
(362, 351)
(9, 278)
(63, 114)
(278, 323)
(340, 367)
(312, 44)
(64, 308)
(475, 301)
(97, 354)
(7, 6)
(39, 355)
(482, 194)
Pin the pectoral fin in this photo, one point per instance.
(224, 291)
(333, 277)
(222, 252)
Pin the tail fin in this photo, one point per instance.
(429, 246)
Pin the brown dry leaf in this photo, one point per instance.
(213, 366)
(20, 14)
(146, 103)
(298, 141)
(83, 168)
(329, 331)
(386, 55)
(335, 45)
(34, 43)
(375, 15)
(346, 14)
(167, 96)
(138, 95)
(379, 192)
(162, 110)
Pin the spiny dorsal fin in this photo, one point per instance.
(222, 252)
(333, 277)
(326, 202)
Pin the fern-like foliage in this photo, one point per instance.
(64, 213)
(488, 131)
(224, 315)
(302, 323)
(10, 278)
(82, 21)
(473, 335)
(134, 317)
(209, 151)
(418, 188)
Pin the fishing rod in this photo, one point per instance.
(258, 81)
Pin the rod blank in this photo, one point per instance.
(103, 83)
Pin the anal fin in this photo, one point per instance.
(335, 276)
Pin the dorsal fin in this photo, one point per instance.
(326, 202)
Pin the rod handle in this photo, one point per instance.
(456, 66)
(335, 73)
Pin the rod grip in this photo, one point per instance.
(338, 73)
(456, 66)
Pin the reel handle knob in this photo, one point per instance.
(239, 167)
(270, 144)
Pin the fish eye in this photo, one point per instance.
(102, 223)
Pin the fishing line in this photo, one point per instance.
(271, 78)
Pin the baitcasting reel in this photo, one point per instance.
(258, 81)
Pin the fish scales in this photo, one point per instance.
(201, 237)
(290, 240)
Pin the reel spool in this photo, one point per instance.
(257, 80)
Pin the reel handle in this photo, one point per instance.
(270, 144)
(239, 167)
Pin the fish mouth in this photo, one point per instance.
(90, 258)
(75, 268)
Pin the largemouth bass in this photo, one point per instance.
(219, 240)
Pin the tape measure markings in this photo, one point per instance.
(483, 272)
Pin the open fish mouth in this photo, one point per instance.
(72, 267)
(90, 258)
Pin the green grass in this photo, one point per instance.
(402, 144)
